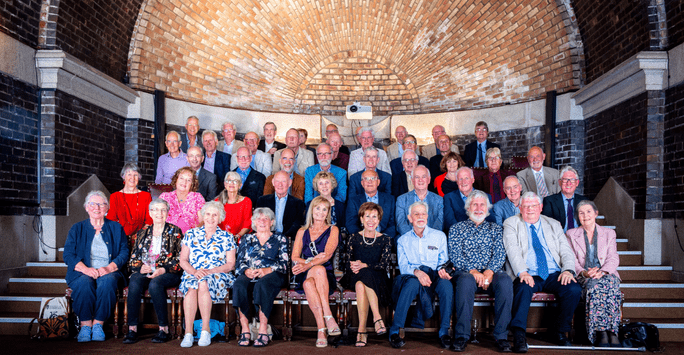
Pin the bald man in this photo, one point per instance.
(430, 150)
(538, 178)
(261, 161)
(396, 149)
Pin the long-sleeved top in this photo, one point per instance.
(184, 215)
(356, 163)
(435, 210)
(504, 209)
(476, 247)
(340, 192)
(130, 210)
(414, 251)
(169, 255)
(273, 254)
(167, 166)
(80, 240)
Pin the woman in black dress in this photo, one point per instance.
(367, 262)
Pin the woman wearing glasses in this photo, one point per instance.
(238, 208)
(312, 253)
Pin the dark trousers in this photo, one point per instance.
(261, 293)
(465, 288)
(568, 297)
(410, 290)
(157, 287)
(94, 299)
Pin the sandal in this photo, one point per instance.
(244, 340)
(261, 340)
(380, 327)
(335, 329)
(359, 342)
(322, 343)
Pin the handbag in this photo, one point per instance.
(54, 320)
(639, 334)
(254, 329)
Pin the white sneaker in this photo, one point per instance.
(188, 339)
(205, 338)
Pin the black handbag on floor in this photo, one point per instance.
(638, 334)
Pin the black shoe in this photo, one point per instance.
(614, 340)
(503, 345)
(559, 339)
(459, 345)
(396, 341)
(602, 339)
(445, 341)
(519, 341)
(131, 337)
(161, 337)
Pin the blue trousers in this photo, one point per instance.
(94, 299)
(464, 298)
(568, 297)
(444, 291)
(157, 287)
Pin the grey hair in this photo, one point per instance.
(570, 169)
(418, 203)
(512, 177)
(268, 123)
(231, 124)
(321, 145)
(94, 193)
(493, 151)
(234, 175)
(586, 203)
(130, 166)
(529, 195)
(215, 205)
(174, 132)
(424, 167)
(371, 148)
(472, 175)
(262, 211)
(158, 201)
(477, 194)
(211, 132)
(408, 150)
(366, 129)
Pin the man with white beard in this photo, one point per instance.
(324, 154)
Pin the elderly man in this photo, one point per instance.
(261, 161)
(168, 163)
(339, 157)
(208, 187)
(287, 164)
(331, 130)
(303, 157)
(252, 180)
(324, 153)
(396, 165)
(562, 206)
(370, 193)
(229, 144)
(477, 251)
(537, 178)
(510, 206)
(421, 180)
(366, 137)
(370, 160)
(190, 138)
(492, 181)
(420, 252)
(454, 201)
(289, 210)
(476, 151)
(396, 149)
(443, 143)
(539, 260)
(430, 150)
(402, 180)
(215, 161)
(269, 144)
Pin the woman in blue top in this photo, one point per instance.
(312, 253)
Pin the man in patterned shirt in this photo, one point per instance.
(477, 251)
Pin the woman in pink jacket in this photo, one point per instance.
(596, 262)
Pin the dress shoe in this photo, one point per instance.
(396, 341)
(459, 345)
(161, 337)
(559, 339)
(614, 340)
(519, 341)
(602, 339)
(131, 337)
(503, 345)
(445, 341)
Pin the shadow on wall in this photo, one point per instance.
(75, 210)
(618, 207)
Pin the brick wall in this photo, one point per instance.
(615, 143)
(18, 146)
(98, 32)
(675, 22)
(570, 147)
(514, 142)
(612, 31)
(673, 189)
(19, 19)
(139, 146)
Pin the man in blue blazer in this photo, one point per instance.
(454, 201)
(370, 193)
(475, 151)
(409, 144)
(252, 180)
(370, 161)
(556, 205)
(289, 210)
(207, 186)
(215, 161)
(400, 179)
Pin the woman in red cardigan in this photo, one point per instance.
(129, 205)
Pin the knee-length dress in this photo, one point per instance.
(307, 253)
(376, 253)
(207, 254)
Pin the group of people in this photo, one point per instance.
(284, 210)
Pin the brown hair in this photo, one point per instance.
(185, 169)
(449, 156)
(370, 206)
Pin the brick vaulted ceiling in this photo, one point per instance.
(315, 56)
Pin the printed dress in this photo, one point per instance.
(207, 254)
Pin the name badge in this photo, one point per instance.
(430, 247)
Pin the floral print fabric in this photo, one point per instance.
(273, 254)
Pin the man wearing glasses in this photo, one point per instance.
(475, 152)
(370, 160)
(410, 143)
(370, 193)
(562, 206)
(229, 144)
(366, 138)
(168, 163)
(261, 161)
(324, 154)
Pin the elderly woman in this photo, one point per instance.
(129, 205)
(596, 262)
(367, 262)
(207, 257)
(325, 183)
(262, 268)
(446, 182)
(95, 252)
(492, 181)
(154, 266)
(312, 253)
(184, 201)
(238, 208)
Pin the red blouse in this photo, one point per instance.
(238, 216)
(130, 210)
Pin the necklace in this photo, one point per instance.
(363, 235)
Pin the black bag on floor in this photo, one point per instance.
(638, 334)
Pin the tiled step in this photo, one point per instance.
(652, 290)
(23, 303)
(16, 323)
(36, 285)
(630, 258)
(47, 269)
(668, 329)
(645, 273)
(648, 308)
(622, 244)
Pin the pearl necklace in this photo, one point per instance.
(363, 235)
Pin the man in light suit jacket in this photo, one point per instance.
(190, 137)
(430, 150)
(289, 213)
(539, 260)
(370, 193)
(556, 205)
(207, 181)
(261, 161)
(366, 137)
(229, 144)
(475, 152)
(528, 176)
(215, 161)
(252, 180)
(303, 157)
(287, 163)
(454, 201)
(396, 149)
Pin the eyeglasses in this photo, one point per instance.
(481, 130)
(410, 160)
(229, 130)
(330, 131)
(369, 179)
(233, 181)
(312, 247)
(172, 142)
(565, 181)
(409, 142)
(95, 204)
(326, 153)
(158, 210)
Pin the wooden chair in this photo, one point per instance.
(173, 296)
(157, 189)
